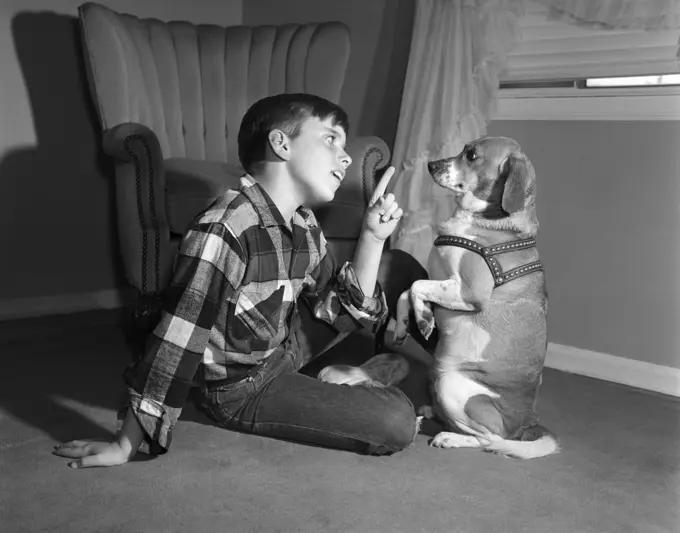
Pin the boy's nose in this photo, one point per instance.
(345, 159)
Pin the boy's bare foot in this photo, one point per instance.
(382, 370)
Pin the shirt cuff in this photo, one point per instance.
(361, 307)
(155, 419)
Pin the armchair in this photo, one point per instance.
(170, 97)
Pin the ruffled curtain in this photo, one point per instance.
(458, 51)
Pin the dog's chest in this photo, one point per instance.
(444, 264)
(450, 262)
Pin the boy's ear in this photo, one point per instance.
(279, 144)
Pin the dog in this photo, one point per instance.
(487, 296)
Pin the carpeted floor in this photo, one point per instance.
(60, 379)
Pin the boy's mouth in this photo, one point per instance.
(339, 175)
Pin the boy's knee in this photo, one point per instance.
(398, 425)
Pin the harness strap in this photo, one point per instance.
(488, 252)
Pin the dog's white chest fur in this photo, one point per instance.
(460, 337)
(444, 261)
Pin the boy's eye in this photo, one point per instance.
(331, 139)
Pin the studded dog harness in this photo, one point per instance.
(488, 253)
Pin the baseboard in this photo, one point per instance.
(59, 304)
(640, 374)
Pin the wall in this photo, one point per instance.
(381, 37)
(608, 191)
(608, 204)
(56, 229)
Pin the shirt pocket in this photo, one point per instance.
(257, 314)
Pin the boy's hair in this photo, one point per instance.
(285, 112)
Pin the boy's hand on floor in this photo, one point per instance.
(383, 212)
(92, 453)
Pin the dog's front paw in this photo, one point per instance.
(401, 331)
(426, 323)
(424, 317)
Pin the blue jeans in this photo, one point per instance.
(274, 399)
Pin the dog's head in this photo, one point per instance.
(493, 178)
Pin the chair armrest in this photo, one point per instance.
(116, 142)
(369, 156)
(140, 186)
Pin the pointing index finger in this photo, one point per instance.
(382, 185)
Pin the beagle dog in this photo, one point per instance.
(487, 296)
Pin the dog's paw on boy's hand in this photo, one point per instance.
(426, 323)
(401, 331)
(426, 328)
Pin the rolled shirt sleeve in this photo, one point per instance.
(210, 264)
(342, 303)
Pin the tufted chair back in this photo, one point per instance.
(191, 84)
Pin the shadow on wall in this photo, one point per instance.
(381, 108)
(62, 188)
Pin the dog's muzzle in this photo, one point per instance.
(437, 167)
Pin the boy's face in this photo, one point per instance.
(318, 161)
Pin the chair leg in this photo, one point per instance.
(143, 314)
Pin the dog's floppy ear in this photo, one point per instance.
(519, 192)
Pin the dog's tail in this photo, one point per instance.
(534, 442)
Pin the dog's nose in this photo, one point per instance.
(431, 166)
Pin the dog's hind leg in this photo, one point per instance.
(483, 412)
(514, 441)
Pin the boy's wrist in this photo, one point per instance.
(369, 237)
(130, 435)
(123, 448)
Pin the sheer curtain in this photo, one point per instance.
(458, 51)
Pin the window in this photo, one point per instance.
(562, 71)
(633, 81)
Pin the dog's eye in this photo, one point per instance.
(471, 155)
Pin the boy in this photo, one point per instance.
(253, 298)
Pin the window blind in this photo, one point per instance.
(552, 50)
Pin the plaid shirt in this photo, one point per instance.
(233, 299)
